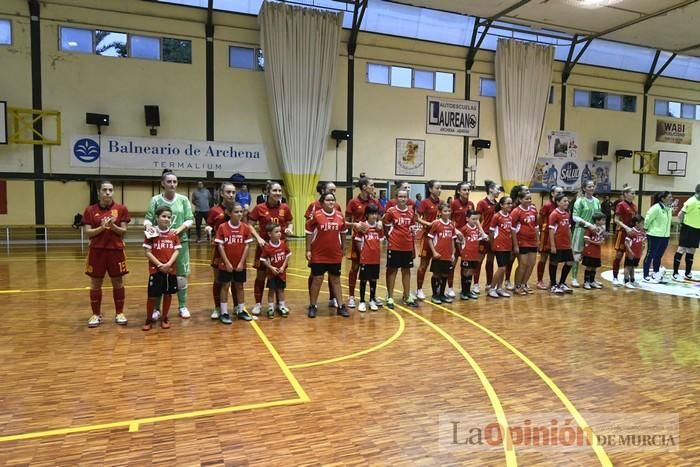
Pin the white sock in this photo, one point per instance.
(241, 307)
(224, 308)
(271, 305)
(282, 304)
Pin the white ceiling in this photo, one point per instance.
(673, 31)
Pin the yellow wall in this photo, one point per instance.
(20, 203)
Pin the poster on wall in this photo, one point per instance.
(562, 144)
(452, 117)
(126, 152)
(570, 173)
(673, 131)
(410, 157)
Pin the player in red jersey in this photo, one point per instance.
(161, 251)
(105, 225)
(592, 239)
(428, 211)
(233, 238)
(471, 235)
(271, 211)
(275, 257)
(636, 238)
(216, 217)
(370, 250)
(322, 188)
(441, 237)
(516, 193)
(624, 212)
(546, 210)
(560, 244)
(401, 185)
(325, 242)
(355, 219)
(486, 209)
(503, 245)
(460, 206)
(400, 224)
(527, 234)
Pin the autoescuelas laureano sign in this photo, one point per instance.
(452, 117)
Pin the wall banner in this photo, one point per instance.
(126, 152)
(562, 144)
(570, 173)
(452, 117)
(674, 131)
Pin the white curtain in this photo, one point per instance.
(301, 47)
(523, 80)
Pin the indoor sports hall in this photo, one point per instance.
(150, 140)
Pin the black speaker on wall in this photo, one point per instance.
(152, 115)
(602, 148)
(97, 119)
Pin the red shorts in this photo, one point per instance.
(101, 261)
(620, 240)
(215, 258)
(484, 247)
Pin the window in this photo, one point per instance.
(424, 79)
(177, 50)
(401, 77)
(76, 40)
(377, 74)
(5, 32)
(629, 103)
(246, 58)
(551, 94)
(582, 98)
(110, 44)
(405, 77)
(688, 111)
(697, 112)
(487, 87)
(597, 100)
(604, 100)
(661, 107)
(674, 109)
(444, 82)
(145, 47)
(613, 102)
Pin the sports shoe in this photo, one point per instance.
(450, 293)
(502, 293)
(476, 289)
(651, 280)
(283, 311)
(436, 299)
(378, 301)
(540, 285)
(689, 277)
(147, 326)
(257, 308)
(556, 290)
(270, 311)
(362, 307)
(165, 324)
(574, 283)
(596, 285)
(351, 302)
(410, 301)
(390, 303)
(660, 277)
(493, 294)
(520, 291)
(587, 286)
(677, 278)
(184, 312)
(565, 288)
(528, 290)
(94, 321)
(155, 314)
(509, 285)
(464, 295)
(312, 311)
(244, 315)
(636, 285)
(446, 299)
(630, 285)
(225, 318)
(332, 303)
(472, 296)
(214, 314)
(120, 319)
(420, 295)
(616, 282)
(342, 311)
(373, 305)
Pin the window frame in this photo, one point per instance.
(255, 65)
(483, 80)
(12, 31)
(130, 49)
(92, 39)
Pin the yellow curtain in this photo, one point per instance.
(301, 189)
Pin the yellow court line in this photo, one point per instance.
(511, 459)
(397, 334)
(597, 448)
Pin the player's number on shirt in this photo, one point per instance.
(122, 266)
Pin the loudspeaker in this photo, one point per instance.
(340, 135)
(601, 148)
(481, 143)
(623, 153)
(97, 119)
(152, 115)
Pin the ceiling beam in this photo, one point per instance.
(641, 19)
(510, 9)
(685, 49)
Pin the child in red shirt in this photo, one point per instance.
(233, 238)
(527, 235)
(635, 246)
(370, 249)
(560, 245)
(275, 257)
(592, 239)
(161, 251)
(400, 224)
(441, 237)
(503, 244)
(471, 236)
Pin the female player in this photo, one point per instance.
(657, 224)
(400, 222)
(442, 235)
(527, 234)
(560, 245)
(503, 245)
(486, 209)
(585, 206)
(427, 213)
(543, 221)
(216, 217)
(460, 207)
(624, 212)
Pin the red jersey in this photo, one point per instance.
(265, 213)
(635, 240)
(626, 211)
(470, 246)
(234, 239)
(459, 211)
(393, 202)
(560, 223)
(317, 206)
(546, 210)
(370, 244)
(428, 208)
(502, 228)
(400, 233)
(162, 247)
(326, 243)
(442, 235)
(486, 209)
(357, 207)
(525, 223)
(216, 217)
(106, 239)
(591, 249)
(274, 255)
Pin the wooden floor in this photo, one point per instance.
(379, 388)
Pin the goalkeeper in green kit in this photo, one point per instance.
(585, 206)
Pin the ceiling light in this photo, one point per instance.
(592, 3)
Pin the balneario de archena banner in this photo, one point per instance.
(126, 152)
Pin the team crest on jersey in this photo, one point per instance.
(281, 212)
(114, 213)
